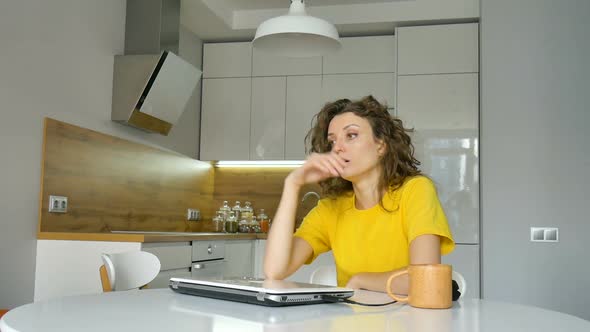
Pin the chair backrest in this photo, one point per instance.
(458, 277)
(128, 270)
(324, 275)
(2, 312)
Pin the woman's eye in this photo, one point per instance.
(351, 135)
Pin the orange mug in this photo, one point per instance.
(429, 286)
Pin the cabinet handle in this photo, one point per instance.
(209, 250)
(198, 266)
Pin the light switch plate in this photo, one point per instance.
(544, 234)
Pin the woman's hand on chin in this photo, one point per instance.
(318, 167)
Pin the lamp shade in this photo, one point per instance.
(296, 34)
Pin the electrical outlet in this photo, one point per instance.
(193, 214)
(544, 234)
(58, 204)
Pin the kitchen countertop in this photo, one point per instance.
(145, 237)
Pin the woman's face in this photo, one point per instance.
(351, 137)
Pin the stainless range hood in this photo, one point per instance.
(151, 84)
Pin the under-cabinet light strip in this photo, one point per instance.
(258, 163)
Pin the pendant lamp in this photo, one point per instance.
(296, 34)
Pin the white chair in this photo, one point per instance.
(458, 277)
(128, 270)
(324, 275)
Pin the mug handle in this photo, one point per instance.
(388, 287)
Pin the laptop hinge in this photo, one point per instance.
(260, 296)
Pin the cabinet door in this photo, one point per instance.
(437, 49)
(227, 60)
(265, 64)
(163, 278)
(362, 55)
(172, 255)
(355, 86)
(267, 135)
(303, 102)
(442, 102)
(443, 110)
(259, 248)
(465, 260)
(238, 257)
(225, 119)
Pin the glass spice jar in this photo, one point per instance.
(244, 226)
(231, 223)
(263, 221)
(218, 222)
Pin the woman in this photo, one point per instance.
(380, 213)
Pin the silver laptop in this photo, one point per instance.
(273, 293)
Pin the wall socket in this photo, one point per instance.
(544, 234)
(193, 214)
(58, 204)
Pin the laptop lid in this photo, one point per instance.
(259, 291)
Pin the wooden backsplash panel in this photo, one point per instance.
(115, 184)
(261, 186)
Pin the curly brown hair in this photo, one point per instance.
(398, 162)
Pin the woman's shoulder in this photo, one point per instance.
(413, 182)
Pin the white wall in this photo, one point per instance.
(56, 60)
(535, 151)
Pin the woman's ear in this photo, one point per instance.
(381, 147)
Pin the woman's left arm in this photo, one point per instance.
(424, 249)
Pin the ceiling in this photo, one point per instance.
(237, 20)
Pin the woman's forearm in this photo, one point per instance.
(279, 244)
(376, 281)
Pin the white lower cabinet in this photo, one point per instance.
(259, 248)
(465, 260)
(175, 261)
(238, 258)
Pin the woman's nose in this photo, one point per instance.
(338, 147)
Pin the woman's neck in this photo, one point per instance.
(367, 193)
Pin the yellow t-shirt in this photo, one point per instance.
(374, 240)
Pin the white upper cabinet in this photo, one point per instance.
(267, 133)
(225, 119)
(355, 86)
(303, 102)
(441, 102)
(438, 49)
(362, 55)
(227, 60)
(264, 64)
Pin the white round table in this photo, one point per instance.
(164, 310)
